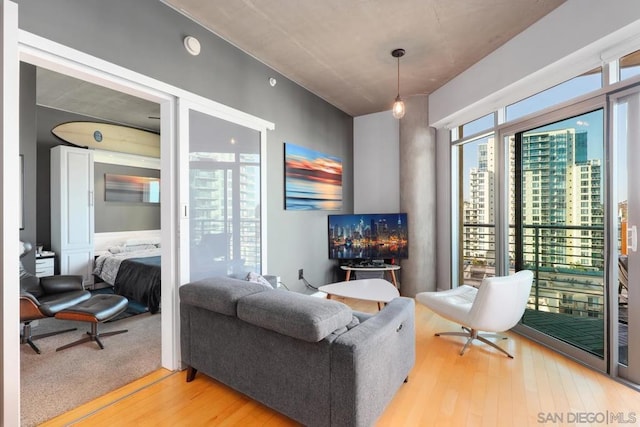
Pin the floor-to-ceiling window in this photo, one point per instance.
(555, 194)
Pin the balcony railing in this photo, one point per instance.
(567, 300)
(567, 262)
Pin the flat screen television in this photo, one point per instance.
(368, 237)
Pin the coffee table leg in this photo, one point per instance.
(393, 278)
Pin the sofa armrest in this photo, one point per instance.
(370, 362)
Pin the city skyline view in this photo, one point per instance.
(560, 173)
(591, 123)
(556, 222)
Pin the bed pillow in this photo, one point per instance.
(143, 241)
(131, 248)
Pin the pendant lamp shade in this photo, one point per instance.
(398, 106)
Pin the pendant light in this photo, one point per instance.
(398, 106)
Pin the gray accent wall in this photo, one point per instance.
(146, 36)
(131, 217)
(28, 153)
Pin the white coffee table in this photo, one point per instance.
(378, 290)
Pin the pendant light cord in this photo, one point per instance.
(398, 76)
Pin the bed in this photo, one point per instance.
(134, 272)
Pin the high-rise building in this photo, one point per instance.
(478, 210)
(561, 190)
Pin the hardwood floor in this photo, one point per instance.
(483, 387)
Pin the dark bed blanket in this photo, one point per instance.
(139, 279)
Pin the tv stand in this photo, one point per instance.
(387, 268)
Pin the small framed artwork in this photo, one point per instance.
(313, 180)
(130, 188)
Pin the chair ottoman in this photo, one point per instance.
(97, 309)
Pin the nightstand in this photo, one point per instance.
(45, 264)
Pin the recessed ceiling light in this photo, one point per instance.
(192, 45)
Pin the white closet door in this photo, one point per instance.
(72, 209)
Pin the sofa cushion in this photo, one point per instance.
(219, 294)
(296, 315)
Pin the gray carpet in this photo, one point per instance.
(55, 382)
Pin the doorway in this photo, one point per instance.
(61, 60)
(60, 99)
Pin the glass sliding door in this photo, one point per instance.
(223, 208)
(557, 229)
(626, 296)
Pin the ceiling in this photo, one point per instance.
(339, 50)
(66, 93)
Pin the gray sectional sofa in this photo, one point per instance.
(312, 359)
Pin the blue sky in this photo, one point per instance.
(592, 123)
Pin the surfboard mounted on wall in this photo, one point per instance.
(106, 136)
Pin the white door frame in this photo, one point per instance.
(9, 226)
(19, 45)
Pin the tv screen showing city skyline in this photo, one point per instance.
(368, 236)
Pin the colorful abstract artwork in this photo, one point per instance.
(129, 188)
(313, 180)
